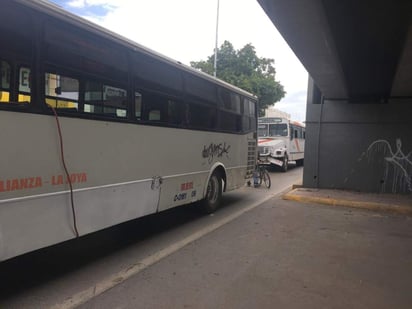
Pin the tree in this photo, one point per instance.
(244, 69)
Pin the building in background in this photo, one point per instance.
(273, 112)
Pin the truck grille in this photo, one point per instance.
(263, 150)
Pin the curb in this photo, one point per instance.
(400, 209)
(297, 186)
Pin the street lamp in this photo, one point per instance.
(217, 31)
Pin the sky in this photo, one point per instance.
(185, 30)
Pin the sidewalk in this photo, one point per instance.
(283, 254)
(401, 204)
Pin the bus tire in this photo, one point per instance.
(284, 167)
(213, 197)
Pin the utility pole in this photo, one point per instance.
(217, 31)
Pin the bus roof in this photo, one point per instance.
(56, 11)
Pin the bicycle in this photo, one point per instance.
(261, 175)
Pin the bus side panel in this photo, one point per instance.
(235, 178)
(296, 149)
(113, 168)
(201, 156)
(33, 223)
(182, 189)
(101, 207)
(27, 224)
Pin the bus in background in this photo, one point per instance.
(96, 130)
(280, 141)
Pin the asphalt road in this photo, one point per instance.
(281, 254)
(87, 270)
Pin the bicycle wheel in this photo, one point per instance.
(266, 179)
(260, 175)
(257, 179)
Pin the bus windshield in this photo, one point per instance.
(271, 130)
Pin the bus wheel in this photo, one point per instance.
(284, 167)
(213, 194)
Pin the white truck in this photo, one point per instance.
(280, 141)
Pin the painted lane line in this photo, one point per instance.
(115, 279)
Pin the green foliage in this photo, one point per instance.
(244, 69)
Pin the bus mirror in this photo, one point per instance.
(58, 90)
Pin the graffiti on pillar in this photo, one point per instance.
(398, 165)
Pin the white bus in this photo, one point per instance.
(96, 130)
(280, 141)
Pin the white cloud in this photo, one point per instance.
(294, 104)
(85, 3)
(77, 3)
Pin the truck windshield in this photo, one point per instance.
(278, 129)
(271, 130)
(263, 130)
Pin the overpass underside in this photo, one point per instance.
(358, 54)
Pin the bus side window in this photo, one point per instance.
(155, 108)
(5, 81)
(138, 105)
(176, 113)
(154, 115)
(24, 85)
(61, 91)
(105, 99)
(248, 111)
(160, 108)
(202, 117)
(252, 107)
